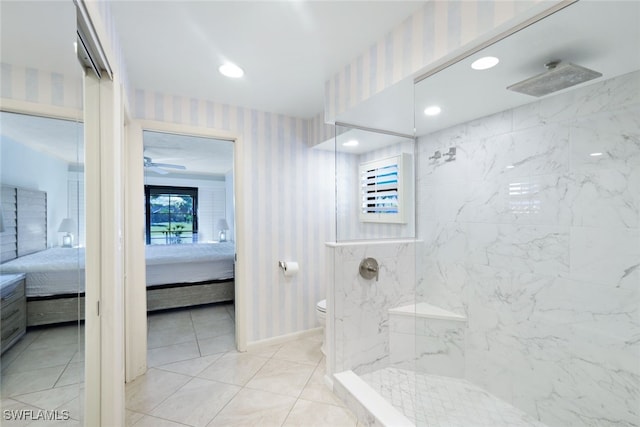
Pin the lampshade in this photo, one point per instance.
(222, 224)
(67, 225)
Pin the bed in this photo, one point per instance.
(177, 275)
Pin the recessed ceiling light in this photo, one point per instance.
(485, 63)
(510, 167)
(434, 110)
(595, 154)
(350, 143)
(231, 70)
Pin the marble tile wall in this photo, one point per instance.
(538, 243)
(360, 318)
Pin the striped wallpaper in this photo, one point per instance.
(428, 35)
(289, 196)
(41, 87)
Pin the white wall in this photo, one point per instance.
(212, 203)
(22, 166)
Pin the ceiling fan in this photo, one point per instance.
(158, 167)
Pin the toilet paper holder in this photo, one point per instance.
(369, 268)
(289, 268)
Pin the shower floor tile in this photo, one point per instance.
(435, 401)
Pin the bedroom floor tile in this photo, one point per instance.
(42, 357)
(30, 381)
(54, 336)
(18, 348)
(220, 344)
(207, 314)
(214, 328)
(73, 374)
(160, 321)
(172, 353)
(170, 336)
(52, 398)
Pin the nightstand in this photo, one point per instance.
(13, 310)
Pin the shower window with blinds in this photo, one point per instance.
(383, 189)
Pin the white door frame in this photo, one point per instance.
(134, 213)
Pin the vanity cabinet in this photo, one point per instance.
(13, 310)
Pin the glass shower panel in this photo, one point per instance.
(528, 209)
(42, 215)
(373, 261)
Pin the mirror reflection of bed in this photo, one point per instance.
(190, 252)
(42, 179)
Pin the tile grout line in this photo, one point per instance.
(301, 391)
(193, 327)
(159, 418)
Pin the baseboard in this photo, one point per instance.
(281, 339)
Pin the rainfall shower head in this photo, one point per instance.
(559, 75)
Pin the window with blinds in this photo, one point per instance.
(383, 186)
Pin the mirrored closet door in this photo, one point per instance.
(41, 216)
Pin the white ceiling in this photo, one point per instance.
(62, 139)
(288, 49)
(205, 156)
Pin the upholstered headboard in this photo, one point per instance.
(25, 222)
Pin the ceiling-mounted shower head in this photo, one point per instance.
(559, 75)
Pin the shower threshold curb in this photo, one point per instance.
(375, 406)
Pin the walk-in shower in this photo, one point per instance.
(509, 293)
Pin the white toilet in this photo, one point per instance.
(321, 314)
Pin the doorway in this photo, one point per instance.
(190, 228)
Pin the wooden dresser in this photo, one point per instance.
(13, 311)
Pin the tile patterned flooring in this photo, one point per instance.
(431, 400)
(195, 377)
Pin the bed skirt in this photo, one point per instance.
(70, 307)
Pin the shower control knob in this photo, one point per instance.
(369, 269)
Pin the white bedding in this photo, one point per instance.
(61, 270)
